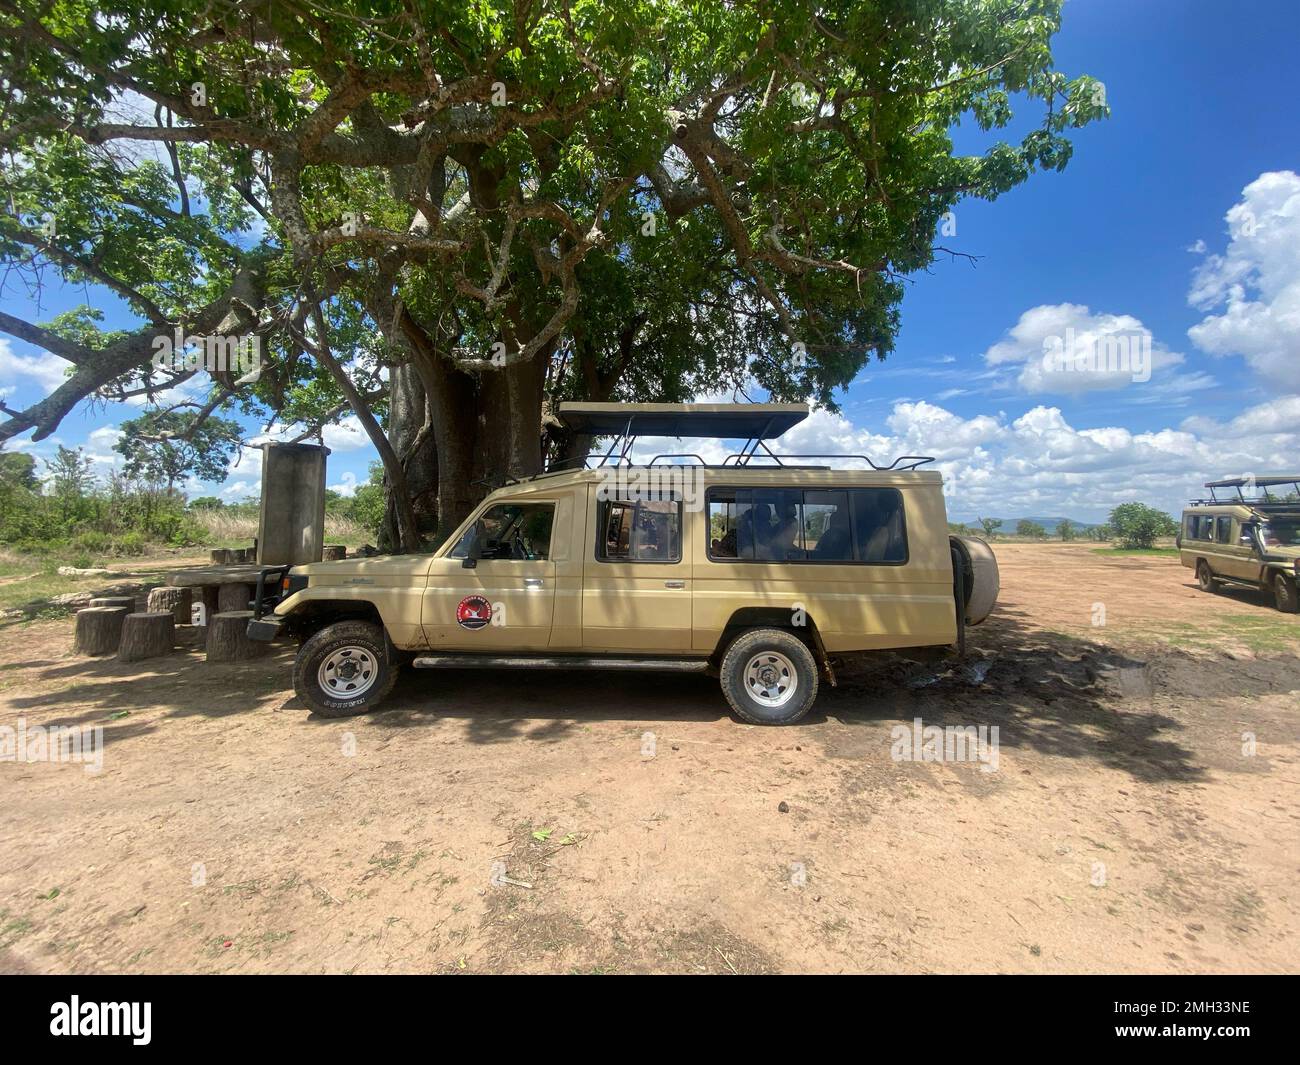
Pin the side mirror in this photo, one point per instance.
(472, 554)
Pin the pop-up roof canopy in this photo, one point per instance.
(1259, 486)
(722, 421)
(1255, 482)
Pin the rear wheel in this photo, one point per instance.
(1205, 577)
(769, 677)
(1284, 593)
(343, 670)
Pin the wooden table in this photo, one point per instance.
(223, 588)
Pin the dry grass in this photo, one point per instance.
(225, 528)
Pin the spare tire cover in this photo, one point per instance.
(982, 582)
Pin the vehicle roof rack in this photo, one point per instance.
(1263, 483)
(755, 423)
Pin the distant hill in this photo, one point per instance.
(1009, 524)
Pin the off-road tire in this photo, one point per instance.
(784, 647)
(337, 638)
(1205, 577)
(1284, 593)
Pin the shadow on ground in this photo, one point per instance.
(1046, 692)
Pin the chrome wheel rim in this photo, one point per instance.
(771, 679)
(348, 672)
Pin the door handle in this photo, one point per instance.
(674, 584)
(533, 582)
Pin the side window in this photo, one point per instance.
(1189, 526)
(515, 531)
(639, 530)
(778, 527)
(827, 526)
(731, 526)
(1203, 524)
(878, 525)
(1225, 529)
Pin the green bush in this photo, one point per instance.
(1137, 525)
(92, 541)
(132, 543)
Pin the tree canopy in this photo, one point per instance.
(445, 216)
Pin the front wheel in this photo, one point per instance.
(1284, 593)
(769, 677)
(343, 670)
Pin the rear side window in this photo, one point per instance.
(1224, 532)
(795, 525)
(878, 525)
(639, 530)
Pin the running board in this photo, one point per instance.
(480, 661)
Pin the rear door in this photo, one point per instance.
(636, 586)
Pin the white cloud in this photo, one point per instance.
(1065, 348)
(46, 370)
(236, 491)
(1040, 465)
(99, 445)
(347, 435)
(1256, 282)
(347, 485)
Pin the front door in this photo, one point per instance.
(506, 601)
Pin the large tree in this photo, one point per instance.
(444, 217)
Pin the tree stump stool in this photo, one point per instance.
(127, 601)
(177, 600)
(228, 638)
(233, 597)
(99, 630)
(146, 635)
(333, 552)
(219, 556)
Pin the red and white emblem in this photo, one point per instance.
(473, 612)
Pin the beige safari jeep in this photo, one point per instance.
(760, 570)
(1247, 536)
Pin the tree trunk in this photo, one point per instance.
(146, 636)
(228, 638)
(177, 600)
(99, 630)
(484, 426)
(333, 552)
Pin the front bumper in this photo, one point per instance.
(265, 629)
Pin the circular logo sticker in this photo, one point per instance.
(473, 612)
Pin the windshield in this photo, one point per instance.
(1280, 533)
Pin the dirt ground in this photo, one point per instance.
(1141, 814)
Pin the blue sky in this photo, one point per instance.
(1177, 222)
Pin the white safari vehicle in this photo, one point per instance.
(759, 569)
